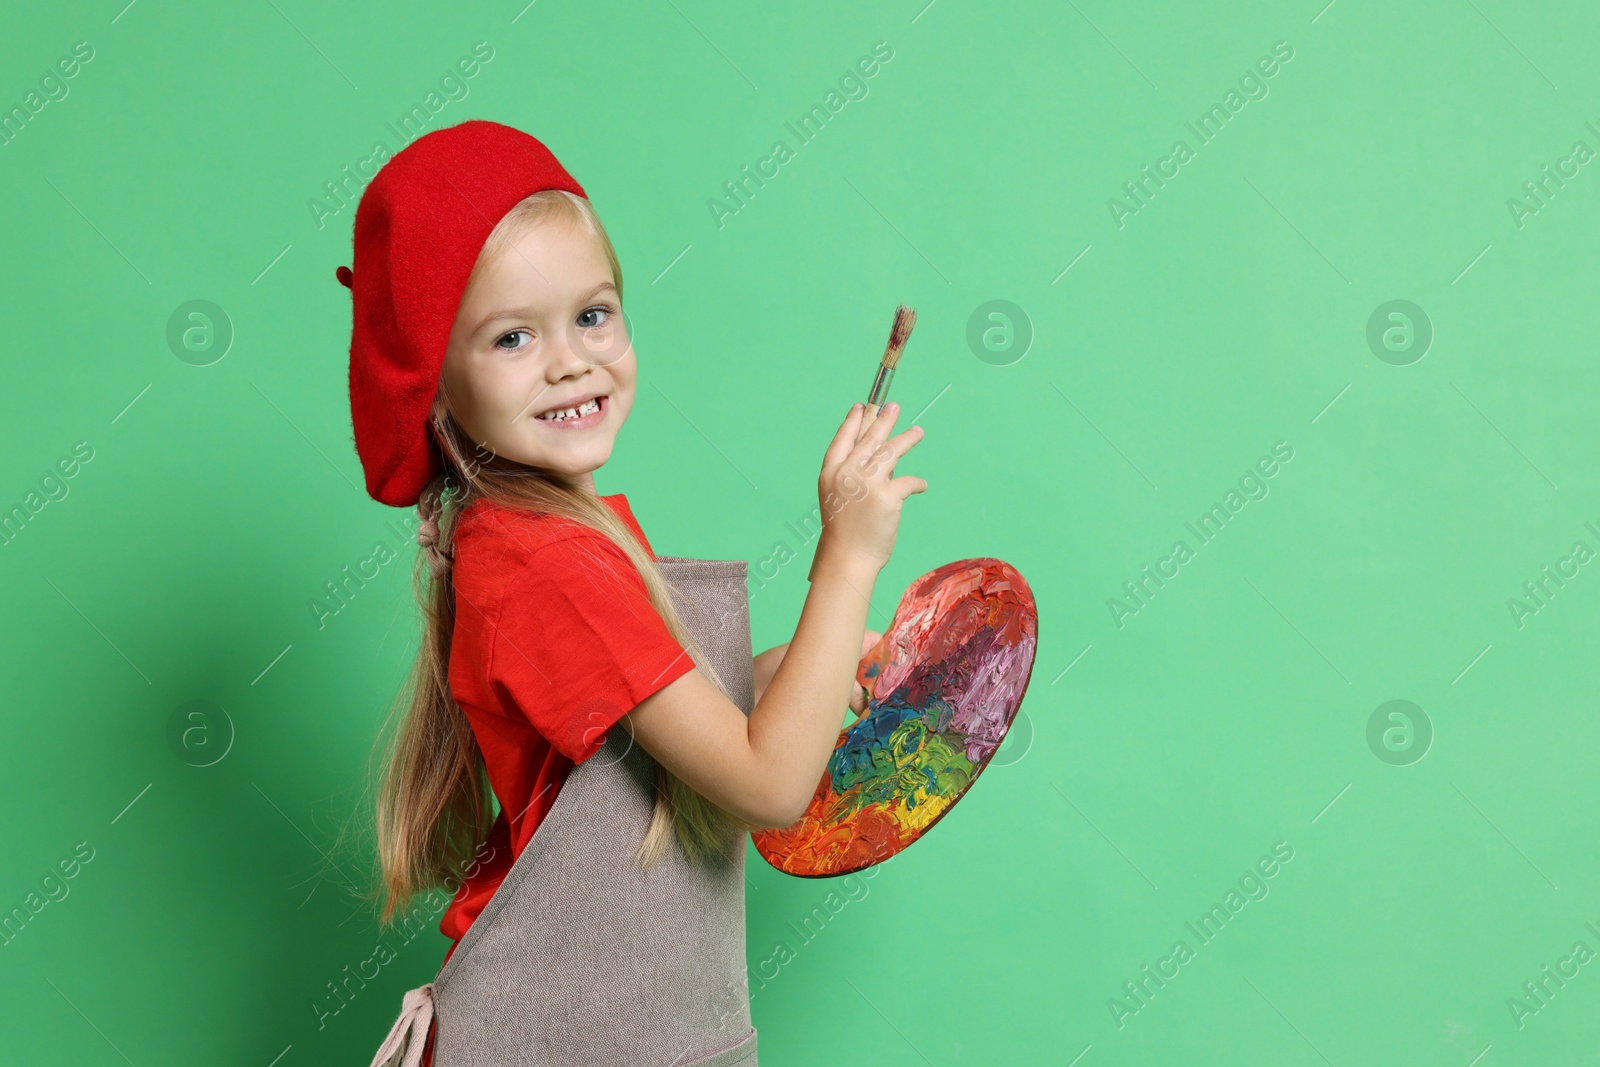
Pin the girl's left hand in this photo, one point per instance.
(858, 695)
(767, 665)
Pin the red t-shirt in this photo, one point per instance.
(555, 640)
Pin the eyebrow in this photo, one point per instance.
(520, 312)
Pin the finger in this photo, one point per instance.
(869, 453)
(907, 484)
(889, 452)
(845, 438)
(880, 429)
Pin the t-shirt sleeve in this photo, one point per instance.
(577, 643)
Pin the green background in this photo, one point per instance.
(1229, 313)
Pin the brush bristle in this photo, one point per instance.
(904, 319)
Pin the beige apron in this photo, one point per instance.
(581, 958)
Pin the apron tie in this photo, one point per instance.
(403, 1047)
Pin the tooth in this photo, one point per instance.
(588, 407)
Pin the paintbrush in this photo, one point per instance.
(899, 334)
(904, 319)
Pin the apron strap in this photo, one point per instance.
(403, 1047)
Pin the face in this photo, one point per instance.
(538, 333)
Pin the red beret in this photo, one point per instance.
(419, 228)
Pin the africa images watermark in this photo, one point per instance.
(53, 88)
(1537, 592)
(417, 916)
(853, 86)
(1252, 886)
(736, 994)
(1142, 188)
(1538, 992)
(1253, 485)
(51, 489)
(808, 527)
(53, 888)
(344, 190)
(338, 595)
(1538, 191)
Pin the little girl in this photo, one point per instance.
(600, 919)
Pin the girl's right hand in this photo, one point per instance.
(859, 494)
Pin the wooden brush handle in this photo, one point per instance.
(868, 417)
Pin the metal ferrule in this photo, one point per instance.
(880, 386)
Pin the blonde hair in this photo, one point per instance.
(432, 805)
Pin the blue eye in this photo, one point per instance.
(588, 311)
(513, 333)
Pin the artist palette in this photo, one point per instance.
(943, 686)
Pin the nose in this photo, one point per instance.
(569, 358)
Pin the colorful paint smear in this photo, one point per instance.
(943, 686)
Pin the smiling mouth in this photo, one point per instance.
(579, 417)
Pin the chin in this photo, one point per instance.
(575, 466)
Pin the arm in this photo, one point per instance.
(767, 665)
(764, 768)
